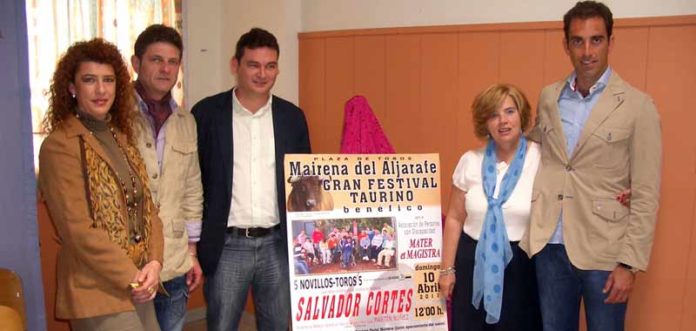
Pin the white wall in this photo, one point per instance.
(211, 31)
(203, 66)
(320, 15)
(212, 27)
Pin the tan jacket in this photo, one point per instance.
(620, 147)
(93, 271)
(176, 187)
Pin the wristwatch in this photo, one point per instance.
(628, 267)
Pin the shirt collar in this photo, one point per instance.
(598, 86)
(143, 104)
(240, 109)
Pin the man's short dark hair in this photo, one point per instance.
(588, 9)
(158, 33)
(255, 38)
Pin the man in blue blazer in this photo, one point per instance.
(243, 136)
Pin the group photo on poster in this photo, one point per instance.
(364, 240)
(343, 245)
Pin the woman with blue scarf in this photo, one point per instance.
(494, 286)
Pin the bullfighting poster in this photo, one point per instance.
(365, 237)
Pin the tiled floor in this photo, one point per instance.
(248, 323)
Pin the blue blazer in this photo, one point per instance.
(214, 125)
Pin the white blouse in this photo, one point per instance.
(467, 177)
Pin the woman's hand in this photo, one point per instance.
(446, 285)
(450, 240)
(148, 282)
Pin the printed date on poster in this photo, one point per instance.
(428, 311)
(427, 292)
(427, 287)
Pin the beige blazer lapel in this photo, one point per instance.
(609, 101)
(558, 145)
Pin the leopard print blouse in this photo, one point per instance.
(107, 204)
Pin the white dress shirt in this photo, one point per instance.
(254, 192)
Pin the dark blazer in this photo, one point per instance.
(214, 124)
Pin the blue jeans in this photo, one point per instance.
(261, 263)
(171, 310)
(561, 285)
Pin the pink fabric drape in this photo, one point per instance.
(362, 133)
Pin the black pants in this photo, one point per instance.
(520, 310)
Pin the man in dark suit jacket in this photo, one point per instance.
(243, 135)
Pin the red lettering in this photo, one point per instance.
(385, 303)
(401, 301)
(357, 304)
(349, 302)
(308, 311)
(341, 298)
(394, 295)
(324, 303)
(299, 309)
(316, 308)
(331, 309)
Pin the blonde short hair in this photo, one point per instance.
(488, 102)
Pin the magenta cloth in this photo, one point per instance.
(362, 133)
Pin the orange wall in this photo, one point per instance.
(421, 81)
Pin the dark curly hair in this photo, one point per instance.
(62, 104)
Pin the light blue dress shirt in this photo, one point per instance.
(574, 110)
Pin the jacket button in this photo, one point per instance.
(560, 197)
(154, 176)
(148, 145)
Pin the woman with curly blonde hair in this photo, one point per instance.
(95, 187)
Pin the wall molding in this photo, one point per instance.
(497, 27)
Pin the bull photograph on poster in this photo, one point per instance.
(364, 236)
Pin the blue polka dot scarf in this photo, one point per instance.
(493, 251)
